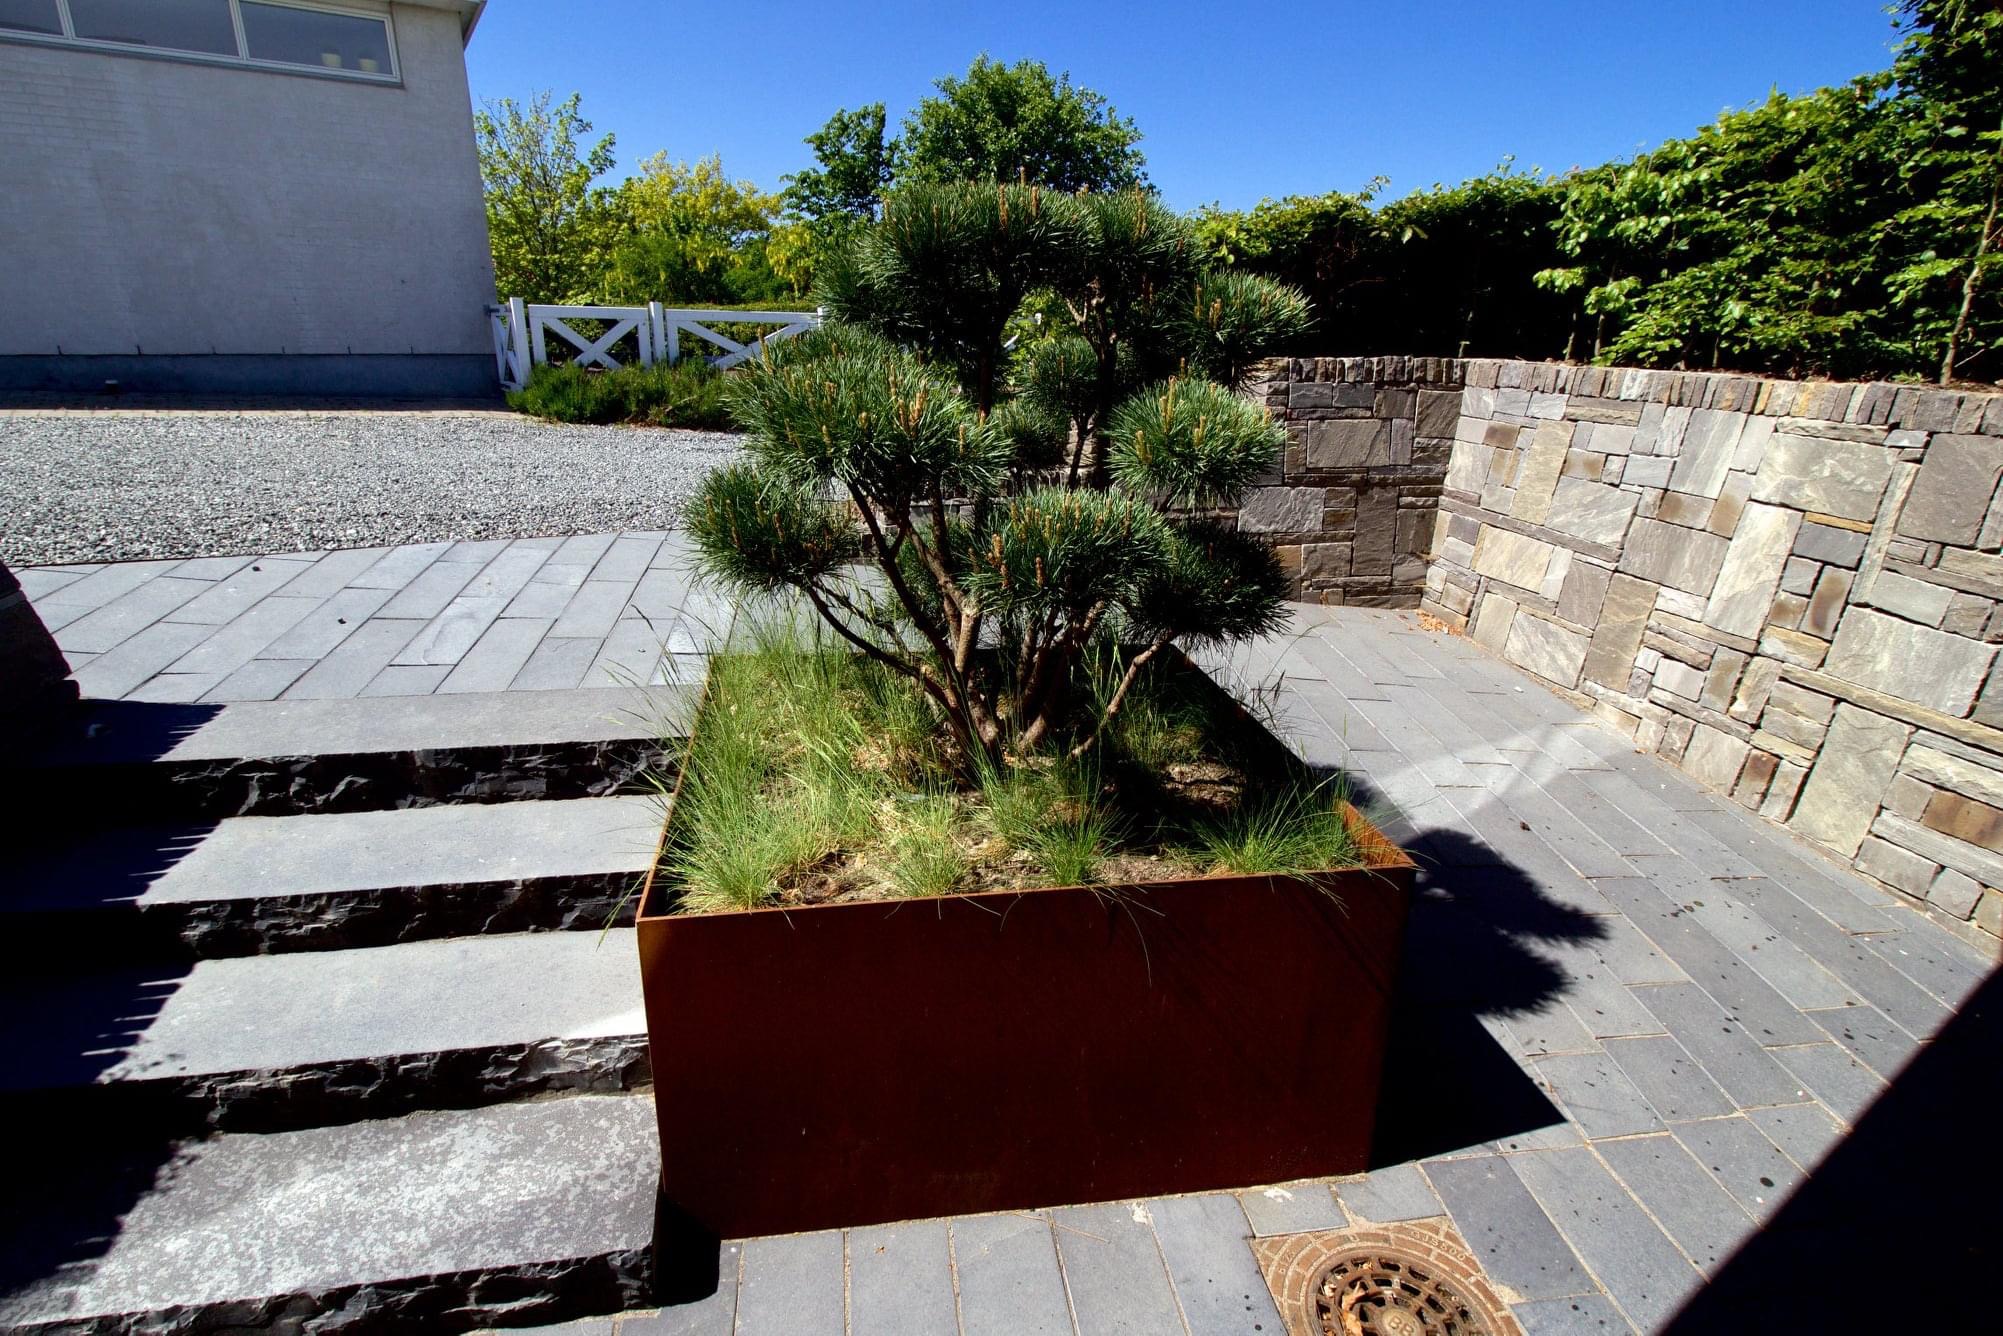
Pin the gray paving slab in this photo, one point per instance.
(1944, 966)
(1216, 1280)
(582, 550)
(1688, 1202)
(1849, 958)
(342, 727)
(1872, 1039)
(229, 598)
(1806, 1132)
(1672, 1081)
(1742, 1158)
(333, 619)
(1114, 1271)
(1010, 1280)
(106, 583)
(1834, 1076)
(593, 609)
(900, 1279)
(38, 582)
(543, 599)
(111, 624)
(310, 1008)
(627, 559)
(174, 688)
(247, 636)
(1587, 1315)
(559, 662)
(1641, 1270)
(498, 656)
(1397, 1192)
(397, 567)
(446, 638)
(432, 589)
(347, 670)
(335, 572)
(1507, 1231)
(277, 857)
(1597, 1094)
(1727, 1051)
(1292, 1208)
(792, 1286)
(113, 673)
(260, 679)
(509, 1192)
(1710, 963)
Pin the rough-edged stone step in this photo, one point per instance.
(258, 884)
(438, 1221)
(275, 758)
(262, 1043)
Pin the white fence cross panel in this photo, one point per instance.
(521, 333)
(625, 320)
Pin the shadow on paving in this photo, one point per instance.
(1900, 1223)
(1448, 1084)
(92, 1159)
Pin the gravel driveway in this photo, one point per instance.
(109, 485)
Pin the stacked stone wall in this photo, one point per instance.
(1350, 510)
(1793, 591)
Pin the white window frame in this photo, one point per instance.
(242, 59)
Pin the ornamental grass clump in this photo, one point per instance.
(976, 502)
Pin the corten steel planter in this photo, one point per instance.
(850, 1064)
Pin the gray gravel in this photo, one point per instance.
(112, 485)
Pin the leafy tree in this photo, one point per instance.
(1016, 123)
(1949, 74)
(996, 560)
(856, 166)
(1446, 271)
(549, 226)
(693, 235)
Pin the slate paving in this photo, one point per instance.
(493, 615)
(1634, 1022)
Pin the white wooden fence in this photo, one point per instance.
(522, 332)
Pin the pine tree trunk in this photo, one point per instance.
(1974, 279)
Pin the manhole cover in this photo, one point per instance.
(1378, 1293)
(1414, 1278)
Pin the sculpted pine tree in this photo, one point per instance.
(975, 516)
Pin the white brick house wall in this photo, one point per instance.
(159, 207)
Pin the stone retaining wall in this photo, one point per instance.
(1794, 591)
(1368, 439)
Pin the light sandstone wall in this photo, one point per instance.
(1794, 591)
(1350, 509)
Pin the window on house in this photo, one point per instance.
(172, 25)
(315, 37)
(31, 16)
(330, 37)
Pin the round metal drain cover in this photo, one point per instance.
(1379, 1293)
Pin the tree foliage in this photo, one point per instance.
(1017, 506)
(1016, 123)
(854, 167)
(549, 225)
(693, 236)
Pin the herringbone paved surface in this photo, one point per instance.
(1646, 1040)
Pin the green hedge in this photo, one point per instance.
(687, 394)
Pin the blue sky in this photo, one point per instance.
(1236, 102)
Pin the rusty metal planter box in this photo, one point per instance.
(849, 1064)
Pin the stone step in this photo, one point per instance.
(283, 757)
(261, 884)
(437, 1221)
(264, 1043)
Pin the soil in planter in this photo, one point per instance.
(816, 776)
